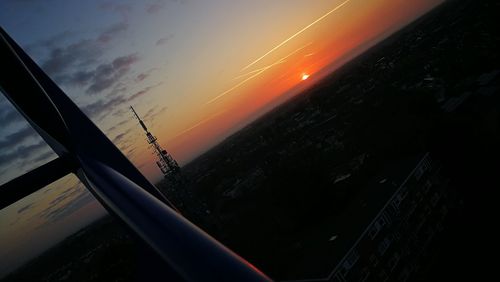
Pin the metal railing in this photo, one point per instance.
(114, 181)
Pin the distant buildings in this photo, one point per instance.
(393, 246)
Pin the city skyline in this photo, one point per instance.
(195, 72)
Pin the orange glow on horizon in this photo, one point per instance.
(281, 72)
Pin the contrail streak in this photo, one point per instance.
(199, 123)
(259, 71)
(296, 34)
(282, 61)
(242, 82)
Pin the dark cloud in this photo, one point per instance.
(131, 151)
(79, 78)
(143, 75)
(106, 75)
(80, 54)
(149, 113)
(51, 42)
(68, 193)
(68, 64)
(25, 208)
(13, 139)
(101, 77)
(164, 40)
(9, 115)
(116, 126)
(78, 197)
(140, 93)
(161, 41)
(21, 153)
(122, 9)
(125, 146)
(120, 112)
(111, 32)
(156, 6)
(118, 138)
(97, 108)
(161, 110)
(44, 157)
(153, 112)
(179, 1)
(140, 77)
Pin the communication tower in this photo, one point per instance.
(165, 162)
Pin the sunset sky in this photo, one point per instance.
(195, 70)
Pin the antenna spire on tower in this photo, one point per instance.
(164, 161)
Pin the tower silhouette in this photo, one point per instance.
(165, 162)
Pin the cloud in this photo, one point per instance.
(140, 77)
(68, 64)
(68, 193)
(116, 126)
(122, 9)
(79, 54)
(9, 115)
(131, 151)
(13, 139)
(164, 40)
(97, 108)
(118, 138)
(50, 42)
(44, 157)
(151, 114)
(23, 152)
(140, 93)
(161, 41)
(111, 32)
(143, 75)
(25, 208)
(66, 203)
(156, 6)
(106, 75)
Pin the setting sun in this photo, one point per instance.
(305, 76)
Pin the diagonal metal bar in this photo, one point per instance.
(110, 176)
(34, 180)
(193, 254)
(55, 117)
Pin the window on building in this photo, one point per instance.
(393, 262)
(365, 274)
(427, 186)
(351, 259)
(374, 231)
(384, 245)
(419, 172)
(435, 199)
(373, 260)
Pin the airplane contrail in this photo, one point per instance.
(198, 124)
(282, 60)
(254, 71)
(296, 34)
(247, 79)
(259, 71)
